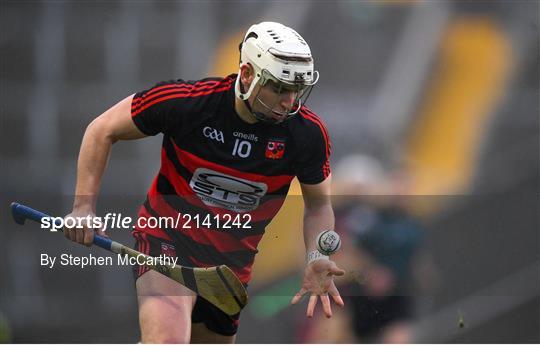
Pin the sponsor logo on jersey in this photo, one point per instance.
(232, 193)
(213, 134)
(250, 136)
(275, 149)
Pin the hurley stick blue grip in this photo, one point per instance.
(103, 242)
(21, 213)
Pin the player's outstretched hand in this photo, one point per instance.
(79, 228)
(319, 283)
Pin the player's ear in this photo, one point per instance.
(246, 75)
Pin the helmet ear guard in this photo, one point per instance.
(239, 88)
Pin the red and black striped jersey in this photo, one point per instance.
(215, 164)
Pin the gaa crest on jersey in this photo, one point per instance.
(217, 189)
(214, 134)
(275, 149)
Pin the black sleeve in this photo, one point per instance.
(168, 105)
(313, 164)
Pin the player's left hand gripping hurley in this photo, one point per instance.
(218, 285)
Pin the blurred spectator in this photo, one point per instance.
(381, 249)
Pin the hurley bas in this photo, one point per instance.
(92, 260)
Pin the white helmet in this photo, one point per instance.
(279, 54)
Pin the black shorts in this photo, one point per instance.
(203, 311)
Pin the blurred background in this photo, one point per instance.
(433, 108)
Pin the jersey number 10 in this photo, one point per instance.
(242, 148)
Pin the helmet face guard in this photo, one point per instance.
(283, 67)
(277, 88)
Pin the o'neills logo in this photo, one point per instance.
(250, 136)
(232, 193)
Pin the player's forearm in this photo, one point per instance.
(316, 219)
(93, 157)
